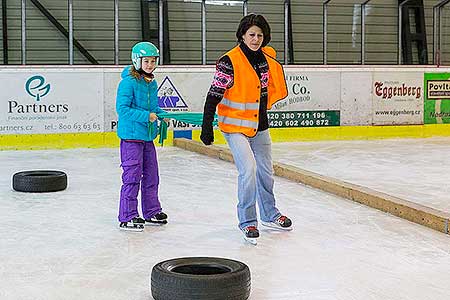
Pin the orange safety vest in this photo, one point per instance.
(238, 111)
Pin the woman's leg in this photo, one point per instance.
(261, 146)
(131, 161)
(246, 167)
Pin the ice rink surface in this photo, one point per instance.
(67, 245)
(417, 170)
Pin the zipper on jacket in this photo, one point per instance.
(148, 104)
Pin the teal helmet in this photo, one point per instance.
(140, 50)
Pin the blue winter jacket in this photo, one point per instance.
(136, 99)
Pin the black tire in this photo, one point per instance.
(200, 278)
(39, 181)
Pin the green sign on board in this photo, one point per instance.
(437, 98)
(317, 118)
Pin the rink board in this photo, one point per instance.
(75, 107)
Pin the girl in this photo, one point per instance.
(137, 106)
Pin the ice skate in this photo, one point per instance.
(158, 219)
(135, 224)
(281, 223)
(251, 234)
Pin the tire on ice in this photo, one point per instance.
(200, 278)
(39, 181)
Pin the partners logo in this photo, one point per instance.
(36, 87)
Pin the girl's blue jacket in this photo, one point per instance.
(136, 99)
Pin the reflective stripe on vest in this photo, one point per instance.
(237, 122)
(240, 106)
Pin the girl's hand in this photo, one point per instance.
(153, 117)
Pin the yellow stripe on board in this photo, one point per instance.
(347, 133)
(358, 132)
(110, 139)
(58, 141)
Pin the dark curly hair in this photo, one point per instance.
(254, 20)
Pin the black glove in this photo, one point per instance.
(207, 135)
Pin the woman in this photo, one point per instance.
(247, 82)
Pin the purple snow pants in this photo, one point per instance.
(140, 168)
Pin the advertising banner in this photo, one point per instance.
(397, 98)
(310, 102)
(73, 100)
(51, 101)
(437, 98)
(184, 91)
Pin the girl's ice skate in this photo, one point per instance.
(135, 224)
(158, 219)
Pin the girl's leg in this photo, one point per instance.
(246, 166)
(131, 158)
(150, 182)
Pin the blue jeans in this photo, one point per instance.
(253, 159)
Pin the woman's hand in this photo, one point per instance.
(207, 134)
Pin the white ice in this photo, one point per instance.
(413, 169)
(67, 245)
